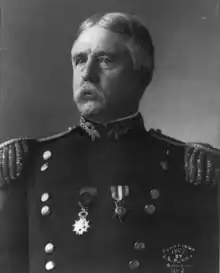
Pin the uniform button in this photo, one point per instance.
(134, 264)
(154, 193)
(164, 165)
(139, 246)
(150, 209)
(45, 210)
(49, 248)
(46, 155)
(44, 197)
(44, 167)
(50, 265)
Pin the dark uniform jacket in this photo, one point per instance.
(104, 199)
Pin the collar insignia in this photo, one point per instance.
(89, 128)
(114, 129)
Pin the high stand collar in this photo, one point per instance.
(115, 129)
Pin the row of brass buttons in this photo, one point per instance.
(49, 248)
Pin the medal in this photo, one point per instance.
(119, 211)
(118, 194)
(82, 224)
(86, 197)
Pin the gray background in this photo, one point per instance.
(36, 94)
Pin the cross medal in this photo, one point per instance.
(118, 194)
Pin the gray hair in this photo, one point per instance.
(138, 42)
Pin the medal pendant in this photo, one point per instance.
(118, 194)
(82, 224)
(120, 211)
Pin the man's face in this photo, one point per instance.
(104, 79)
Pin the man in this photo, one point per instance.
(108, 196)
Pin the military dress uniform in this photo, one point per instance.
(104, 198)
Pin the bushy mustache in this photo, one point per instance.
(87, 87)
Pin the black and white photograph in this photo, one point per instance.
(109, 136)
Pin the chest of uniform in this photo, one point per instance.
(131, 170)
(126, 175)
(132, 205)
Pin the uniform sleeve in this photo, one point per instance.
(14, 162)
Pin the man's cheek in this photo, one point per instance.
(76, 78)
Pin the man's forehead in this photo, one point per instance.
(99, 39)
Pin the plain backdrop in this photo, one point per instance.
(36, 75)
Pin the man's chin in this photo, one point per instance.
(89, 109)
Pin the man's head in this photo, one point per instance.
(113, 63)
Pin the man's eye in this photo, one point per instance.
(79, 60)
(105, 60)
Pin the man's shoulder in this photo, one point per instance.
(171, 153)
(71, 131)
(194, 161)
(17, 153)
(171, 149)
(158, 136)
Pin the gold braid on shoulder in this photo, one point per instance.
(12, 157)
(201, 160)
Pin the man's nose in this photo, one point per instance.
(90, 71)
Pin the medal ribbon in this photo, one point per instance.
(119, 192)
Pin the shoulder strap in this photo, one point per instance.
(57, 136)
(170, 141)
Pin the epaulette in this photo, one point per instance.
(13, 154)
(170, 141)
(194, 154)
(58, 135)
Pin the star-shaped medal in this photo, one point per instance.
(81, 226)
